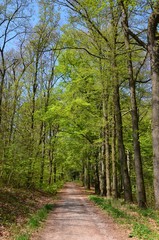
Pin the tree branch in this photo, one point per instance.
(77, 48)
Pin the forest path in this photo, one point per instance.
(76, 218)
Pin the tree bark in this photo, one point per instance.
(106, 153)
(102, 175)
(50, 166)
(34, 90)
(113, 155)
(119, 125)
(43, 155)
(97, 182)
(2, 75)
(141, 194)
(153, 48)
(121, 148)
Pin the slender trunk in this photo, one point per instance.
(82, 174)
(117, 111)
(2, 75)
(106, 143)
(114, 171)
(153, 47)
(88, 174)
(102, 175)
(1, 97)
(121, 147)
(16, 84)
(43, 157)
(34, 89)
(141, 195)
(104, 162)
(128, 156)
(51, 156)
(2, 133)
(85, 175)
(119, 134)
(55, 177)
(50, 166)
(107, 156)
(97, 182)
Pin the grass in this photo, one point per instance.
(34, 222)
(23, 237)
(143, 223)
(142, 231)
(37, 218)
(20, 208)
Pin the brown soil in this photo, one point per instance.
(16, 206)
(76, 218)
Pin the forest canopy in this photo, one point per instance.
(79, 96)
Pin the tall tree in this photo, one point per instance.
(141, 195)
(153, 48)
(13, 24)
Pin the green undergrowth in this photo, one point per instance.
(53, 189)
(143, 223)
(34, 222)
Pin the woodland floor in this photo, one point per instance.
(16, 205)
(76, 218)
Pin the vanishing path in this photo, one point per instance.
(76, 218)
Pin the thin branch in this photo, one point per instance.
(128, 31)
(85, 16)
(137, 39)
(77, 48)
(146, 81)
(141, 65)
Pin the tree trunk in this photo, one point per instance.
(43, 157)
(55, 170)
(106, 143)
(2, 75)
(15, 100)
(117, 113)
(121, 147)
(153, 47)
(141, 195)
(107, 156)
(82, 174)
(51, 156)
(102, 175)
(119, 133)
(114, 171)
(97, 182)
(50, 166)
(88, 178)
(34, 90)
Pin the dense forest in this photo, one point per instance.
(79, 96)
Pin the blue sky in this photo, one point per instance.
(63, 14)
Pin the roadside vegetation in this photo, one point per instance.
(143, 223)
(34, 222)
(23, 211)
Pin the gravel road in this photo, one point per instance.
(76, 218)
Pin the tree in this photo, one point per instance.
(13, 24)
(153, 48)
(141, 195)
(91, 21)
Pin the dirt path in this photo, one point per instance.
(76, 218)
